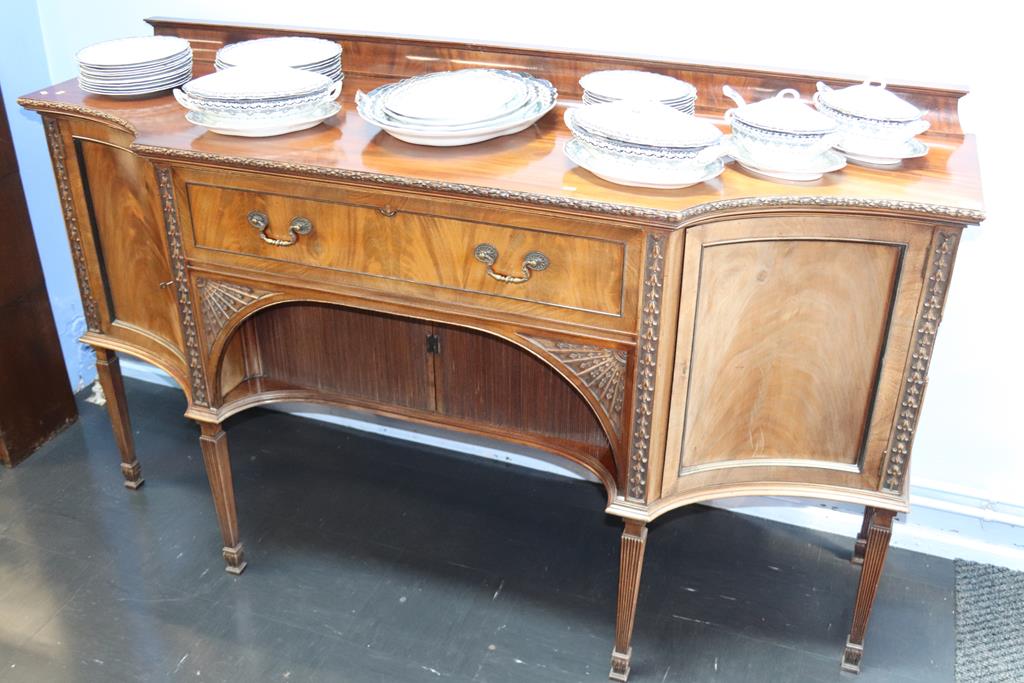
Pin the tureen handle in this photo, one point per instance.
(710, 154)
(731, 93)
(184, 100)
(823, 87)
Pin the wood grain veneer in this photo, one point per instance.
(527, 168)
(393, 57)
(739, 337)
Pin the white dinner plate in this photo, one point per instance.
(621, 84)
(140, 50)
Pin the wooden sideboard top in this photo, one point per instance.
(530, 166)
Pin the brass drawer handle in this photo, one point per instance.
(486, 253)
(387, 211)
(298, 226)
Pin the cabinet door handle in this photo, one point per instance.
(165, 285)
(298, 226)
(486, 253)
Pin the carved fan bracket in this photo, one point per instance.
(601, 370)
(897, 454)
(221, 301)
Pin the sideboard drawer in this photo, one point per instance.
(401, 244)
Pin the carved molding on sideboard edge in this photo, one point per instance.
(568, 203)
(220, 301)
(915, 376)
(67, 203)
(197, 373)
(601, 370)
(46, 106)
(647, 369)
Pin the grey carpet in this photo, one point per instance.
(989, 623)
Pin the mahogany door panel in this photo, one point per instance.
(792, 338)
(131, 246)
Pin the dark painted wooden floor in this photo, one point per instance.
(371, 561)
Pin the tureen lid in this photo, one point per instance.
(785, 113)
(643, 122)
(257, 82)
(869, 101)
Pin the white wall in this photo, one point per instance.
(968, 443)
(23, 67)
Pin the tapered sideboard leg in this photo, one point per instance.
(879, 530)
(862, 538)
(631, 562)
(218, 469)
(108, 367)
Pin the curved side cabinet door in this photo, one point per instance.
(120, 226)
(793, 337)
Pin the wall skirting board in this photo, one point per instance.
(945, 520)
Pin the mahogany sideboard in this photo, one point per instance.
(738, 337)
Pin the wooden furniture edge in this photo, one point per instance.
(950, 93)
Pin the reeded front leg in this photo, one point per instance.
(878, 532)
(631, 563)
(218, 470)
(108, 367)
(862, 538)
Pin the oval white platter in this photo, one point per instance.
(639, 174)
(912, 149)
(295, 51)
(824, 163)
(265, 128)
(460, 97)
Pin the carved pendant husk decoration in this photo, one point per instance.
(897, 455)
(197, 373)
(602, 371)
(67, 202)
(647, 365)
(220, 301)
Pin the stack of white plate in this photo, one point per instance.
(309, 54)
(255, 101)
(132, 67)
(609, 86)
(644, 144)
(461, 107)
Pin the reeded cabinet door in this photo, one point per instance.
(793, 336)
